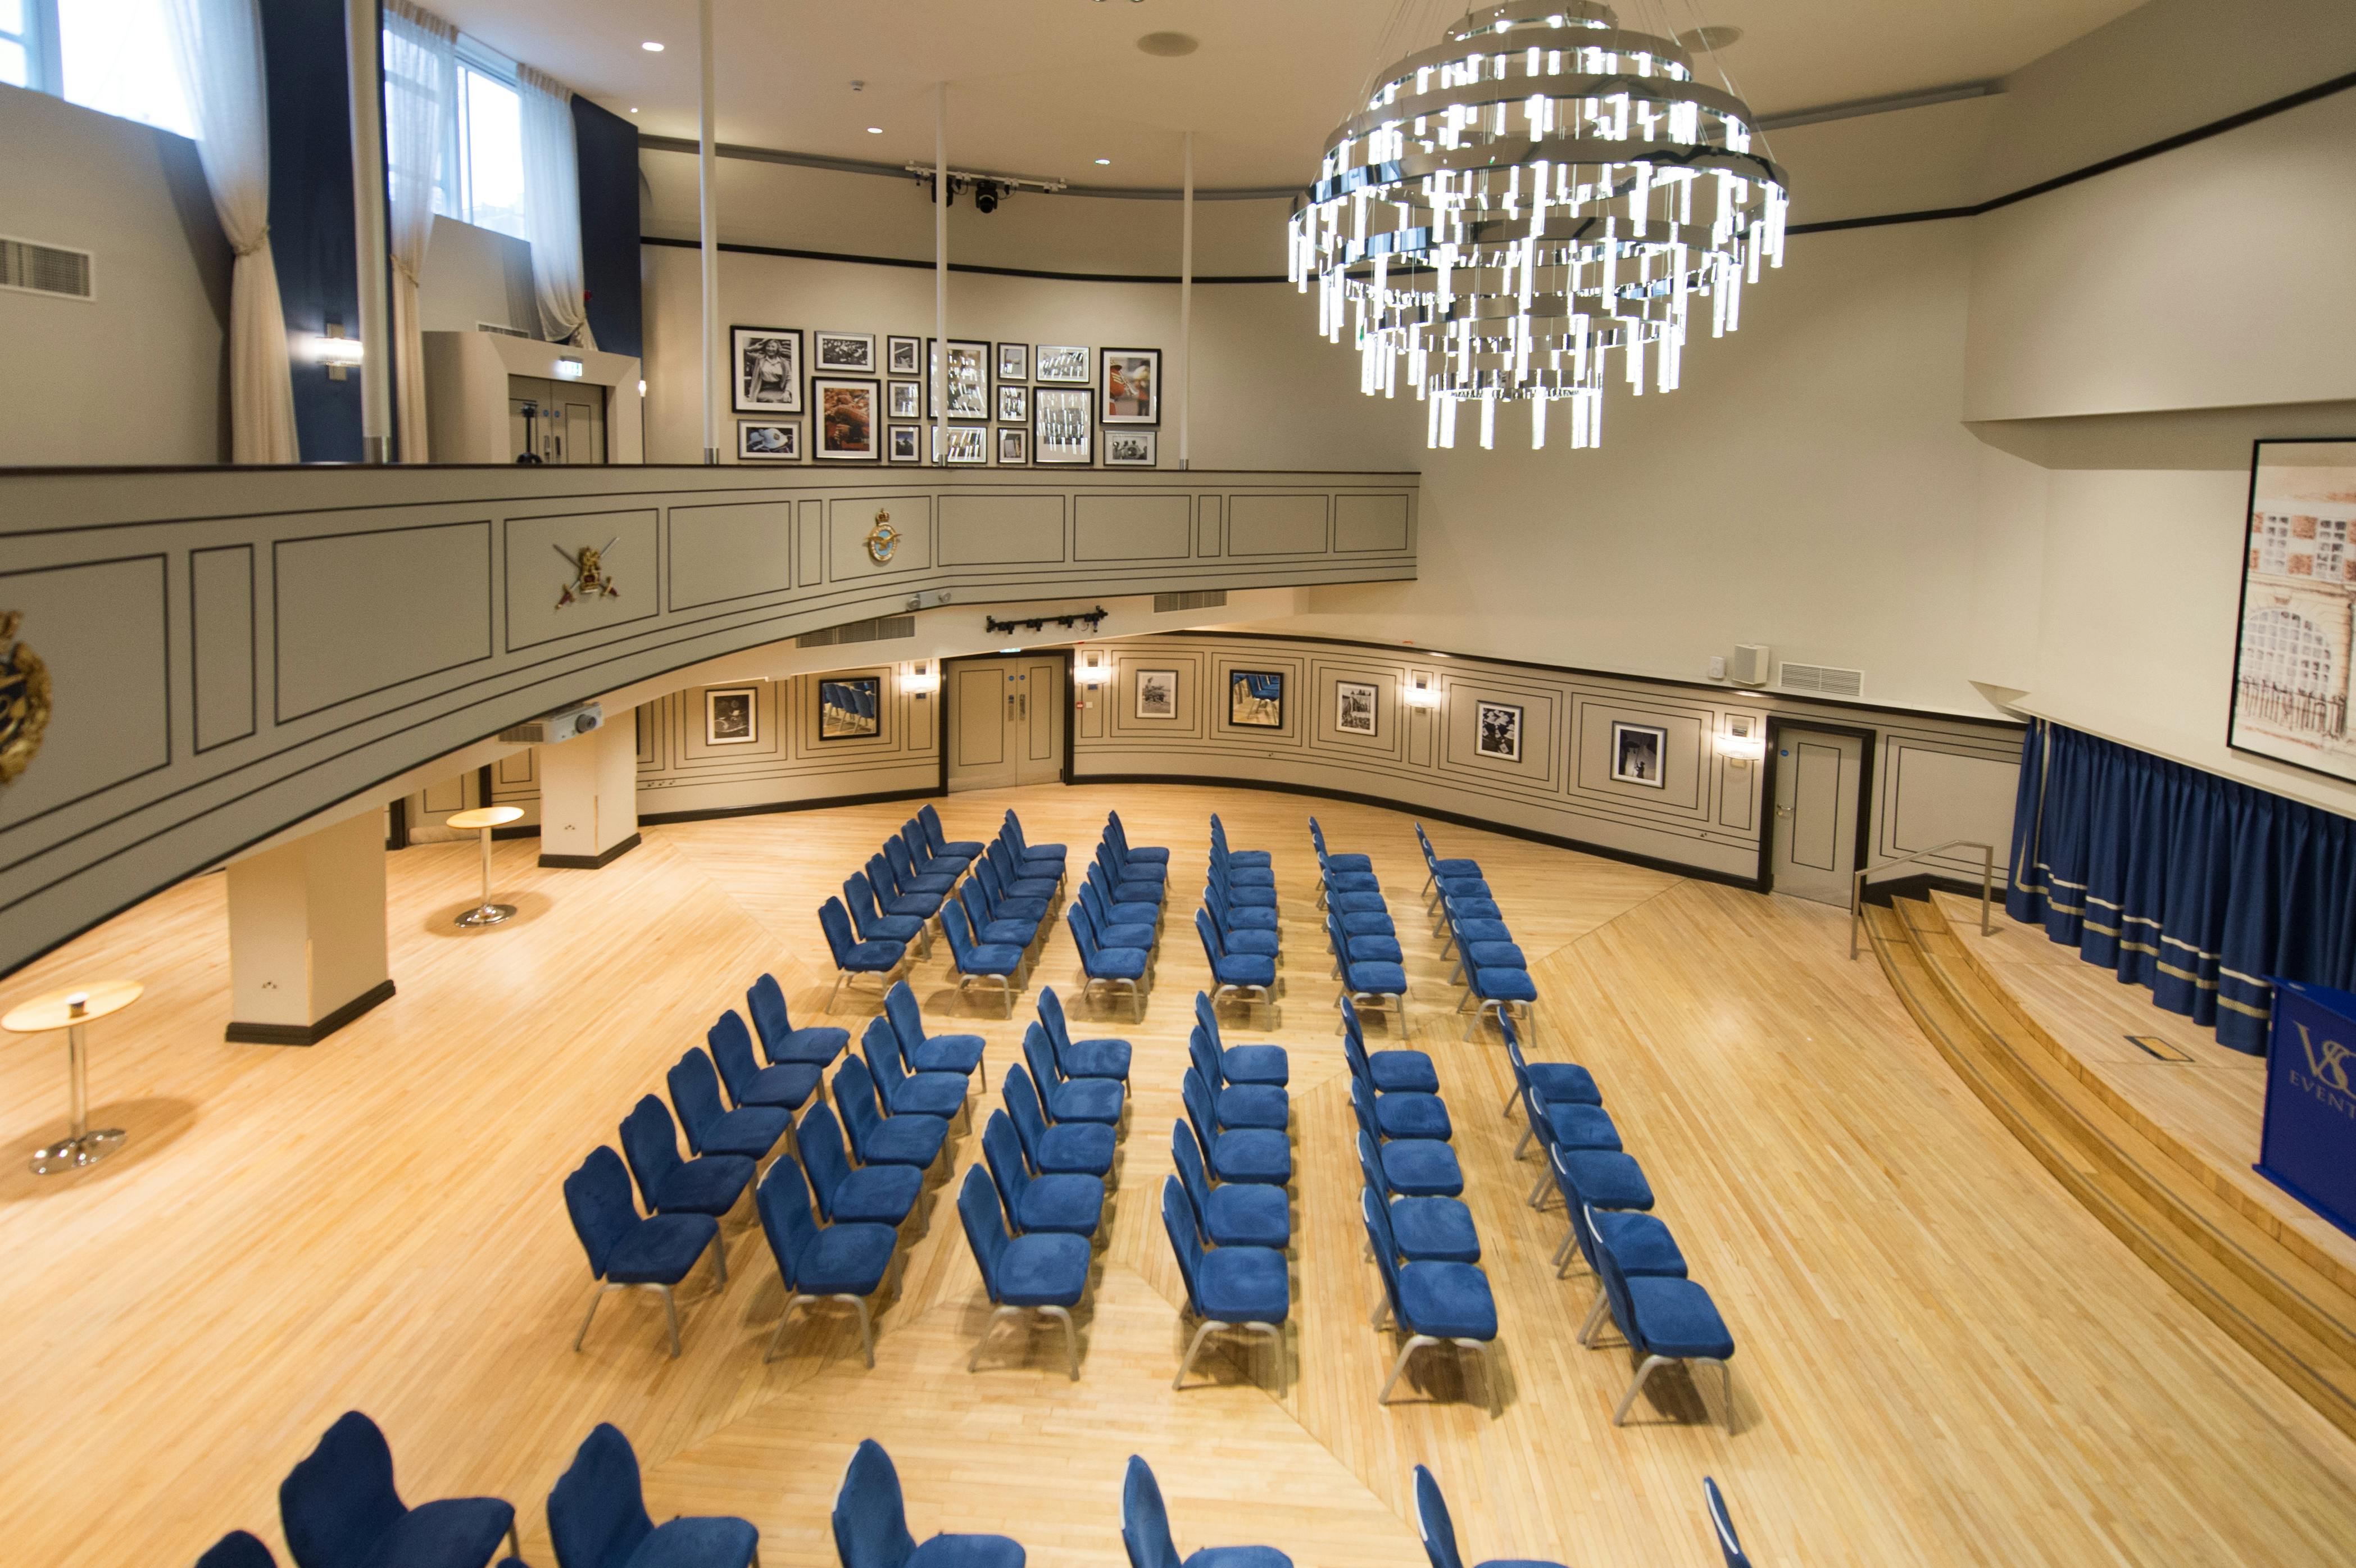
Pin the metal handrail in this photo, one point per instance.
(1988, 883)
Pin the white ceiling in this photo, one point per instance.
(1047, 87)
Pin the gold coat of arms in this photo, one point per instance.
(883, 539)
(24, 699)
(590, 577)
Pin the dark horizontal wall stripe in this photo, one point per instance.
(962, 266)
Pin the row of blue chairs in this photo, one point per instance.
(1496, 974)
(1359, 933)
(1439, 1532)
(884, 918)
(1240, 930)
(1001, 920)
(1117, 919)
(1640, 1271)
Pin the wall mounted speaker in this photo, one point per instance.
(1752, 662)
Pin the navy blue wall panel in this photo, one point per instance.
(608, 149)
(311, 211)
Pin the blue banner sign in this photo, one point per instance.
(2310, 1146)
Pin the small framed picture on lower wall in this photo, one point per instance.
(1636, 753)
(1353, 706)
(731, 715)
(1497, 731)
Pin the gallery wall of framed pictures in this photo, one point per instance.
(841, 395)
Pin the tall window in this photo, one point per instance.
(115, 55)
(490, 153)
(20, 42)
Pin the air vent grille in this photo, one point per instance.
(1824, 680)
(883, 629)
(1193, 599)
(33, 267)
(502, 331)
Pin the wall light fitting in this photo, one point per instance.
(920, 678)
(339, 354)
(1418, 691)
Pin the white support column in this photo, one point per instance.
(1186, 313)
(306, 941)
(589, 796)
(940, 271)
(371, 247)
(715, 358)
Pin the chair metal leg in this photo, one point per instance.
(1506, 1111)
(1527, 1134)
(866, 1325)
(1071, 1336)
(1414, 1343)
(1382, 1308)
(1587, 1330)
(1646, 1371)
(1725, 1391)
(1536, 1199)
(836, 995)
(719, 1257)
(594, 1300)
(1186, 1362)
(975, 1359)
(671, 1314)
(1488, 1351)
(778, 1336)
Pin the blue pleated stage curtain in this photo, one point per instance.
(2195, 886)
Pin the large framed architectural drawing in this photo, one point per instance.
(2299, 584)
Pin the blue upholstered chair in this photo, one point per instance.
(974, 899)
(1368, 983)
(1401, 1113)
(340, 1509)
(628, 1251)
(1666, 1318)
(598, 1518)
(238, 1549)
(1240, 1287)
(1457, 887)
(1412, 1167)
(1046, 1275)
(1032, 854)
(1152, 854)
(787, 1086)
(1100, 1057)
(870, 1525)
(1254, 930)
(1242, 1063)
(1084, 1148)
(1492, 947)
(1237, 1105)
(1239, 857)
(1240, 896)
(1123, 967)
(1128, 867)
(929, 860)
(1720, 1523)
(709, 1184)
(911, 878)
(1334, 882)
(1138, 927)
(858, 896)
(1432, 1229)
(1115, 909)
(1563, 1083)
(754, 1131)
(1234, 1213)
(1249, 1153)
(1566, 1127)
(852, 956)
(848, 1261)
(1134, 884)
(1393, 1072)
(1370, 947)
(1018, 879)
(1640, 1243)
(1068, 1205)
(1597, 1177)
(913, 1138)
(966, 849)
(1435, 867)
(1469, 919)
(780, 1040)
(922, 1051)
(867, 1194)
(1145, 1532)
(998, 963)
(903, 1091)
(1433, 1303)
(1100, 1100)
(1028, 906)
(1355, 865)
(894, 896)
(1499, 991)
(1439, 1532)
(1240, 975)
(1241, 868)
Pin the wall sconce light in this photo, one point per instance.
(1418, 691)
(339, 354)
(1739, 746)
(920, 678)
(568, 368)
(1091, 668)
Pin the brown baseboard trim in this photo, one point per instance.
(590, 862)
(299, 1034)
(648, 818)
(1530, 835)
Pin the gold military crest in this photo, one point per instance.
(590, 577)
(24, 699)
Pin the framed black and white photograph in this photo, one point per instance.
(1128, 449)
(768, 368)
(903, 356)
(1157, 694)
(969, 381)
(907, 444)
(1353, 706)
(761, 443)
(2292, 683)
(1013, 361)
(1132, 386)
(1637, 751)
(1256, 698)
(850, 708)
(731, 715)
(1061, 424)
(842, 353)
(1013, 448)
(1014, 405)
(967, 445)
(908, 400)
(1497, 731)
(1061, 365)
(849, 427)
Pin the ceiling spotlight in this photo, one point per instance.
(1104, 163)
(1169, 45)
(875, 130)
(1709, 41)
(986, 195)
(651, 47)
(634, 109)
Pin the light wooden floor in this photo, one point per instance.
(1942, 1358)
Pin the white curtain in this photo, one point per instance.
(421, 84)
(218, 45)
(552, 200)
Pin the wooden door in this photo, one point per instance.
(1006, 721)
(1816, 823)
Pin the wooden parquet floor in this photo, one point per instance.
(1942, 1358)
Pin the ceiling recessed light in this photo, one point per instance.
(875, 130)
(651, 47)
(1103, 163)
(1169, 45)
(634, 109)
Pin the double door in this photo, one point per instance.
(1006, 722)
(555, 422)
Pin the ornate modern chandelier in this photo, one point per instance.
(1531, 207)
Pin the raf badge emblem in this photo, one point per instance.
(24, 699)
(590, 577)
(883, 539)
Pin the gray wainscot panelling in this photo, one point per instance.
(1276, 525)
(100, 627)
(733, 550)
(1133, 527)
(1003, 530)
(221, 631)
(354, 613)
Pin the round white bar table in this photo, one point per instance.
(485, 817)
(71, 1010)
